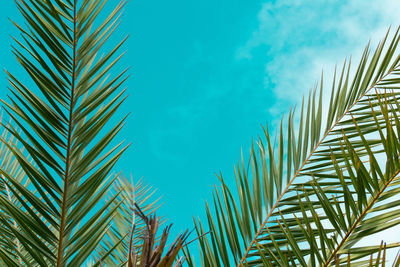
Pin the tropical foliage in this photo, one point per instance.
(12, 252)
(61, 204)
(329, 180)
(307, 196)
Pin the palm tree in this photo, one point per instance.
(329, 179)
(61, 204)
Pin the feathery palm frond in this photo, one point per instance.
(332, 220)
(63, 113)
(306, 199)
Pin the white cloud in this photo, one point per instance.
(303, 37)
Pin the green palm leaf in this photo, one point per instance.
(63, 114)
(297, 201)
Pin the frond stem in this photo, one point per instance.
(64, 208)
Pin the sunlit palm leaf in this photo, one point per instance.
(304, 167)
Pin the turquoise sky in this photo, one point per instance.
(206, 74)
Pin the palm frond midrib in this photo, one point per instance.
(64, 200)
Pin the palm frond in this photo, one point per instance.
(63, 114)
(287, 186)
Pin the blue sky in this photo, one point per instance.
(206, 74)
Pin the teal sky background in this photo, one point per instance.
(206, 74)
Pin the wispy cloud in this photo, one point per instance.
(303, 37)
